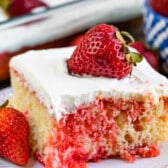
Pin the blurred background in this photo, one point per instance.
(43, 24)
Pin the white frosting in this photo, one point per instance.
(45, 72)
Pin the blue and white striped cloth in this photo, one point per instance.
(156, 31)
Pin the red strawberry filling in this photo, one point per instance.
(91, 134)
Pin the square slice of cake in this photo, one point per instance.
(75, 119)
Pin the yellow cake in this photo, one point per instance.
(74, 120)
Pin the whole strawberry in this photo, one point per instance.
(21, 7)
(14, 145)
(103, 51)
(160, 6)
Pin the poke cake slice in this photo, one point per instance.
(79, 113)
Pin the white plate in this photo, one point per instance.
(157, 162)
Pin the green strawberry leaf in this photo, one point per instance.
(127, 37)
(120, 37)
(134, 57)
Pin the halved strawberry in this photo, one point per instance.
(14, 131)
(103, 51)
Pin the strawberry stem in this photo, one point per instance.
(120, 37)
(127, 37)
(124, 37)
(134, 57)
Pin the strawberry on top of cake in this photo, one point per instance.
(103, 51)
(94, 101)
